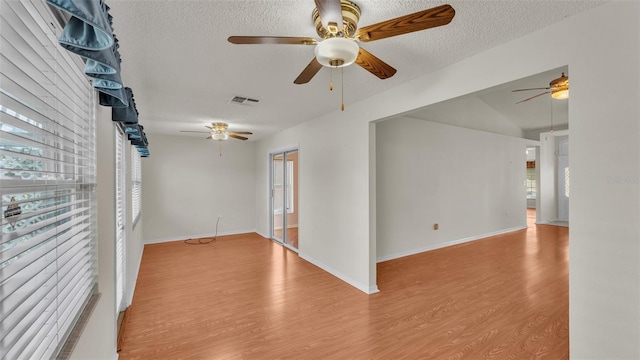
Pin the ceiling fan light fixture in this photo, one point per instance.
(560, 88)
(337, 52)
(560, 94)
(222, 136)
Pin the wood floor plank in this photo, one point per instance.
(245, 297)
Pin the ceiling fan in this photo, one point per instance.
(219, 131)
(336, 23)
(558, 88)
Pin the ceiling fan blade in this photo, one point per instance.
(195, 131)
(309, 72)
(209, 137)
(544, 88)
(238, 137)
(209, 127)
(533, 97)
(286, 40)
(330, 12)
(426, 19)
(240, 133)
(372, 64)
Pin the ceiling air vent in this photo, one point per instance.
(242, 100)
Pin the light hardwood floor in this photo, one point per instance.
(245, 297)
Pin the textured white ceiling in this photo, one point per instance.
(176, 58)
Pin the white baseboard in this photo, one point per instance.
(197, 236)
(554, 223)
(446, 244)
(358, 285)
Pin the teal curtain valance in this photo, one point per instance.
(89, 34)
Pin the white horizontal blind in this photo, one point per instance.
(47, 182)
(120, 216)
(136, 184)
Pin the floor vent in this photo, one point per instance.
(242, 100)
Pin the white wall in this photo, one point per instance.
(333, 222)
(605, 166)
(471, 183)
(186, 185)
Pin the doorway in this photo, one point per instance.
(563, 179)
(284, 198)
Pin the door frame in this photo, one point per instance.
(562, 160)
(547, 182)
(272, 153)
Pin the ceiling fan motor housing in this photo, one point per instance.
(350, 18)
(219, 127)
(560, 87)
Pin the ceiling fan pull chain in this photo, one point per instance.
(551, 107)
(220, 147)
(342, 76)
(331, 79)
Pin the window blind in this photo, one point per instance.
(47, 184)
(136, 185)
(120, 216)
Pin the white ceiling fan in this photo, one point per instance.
(219, 131)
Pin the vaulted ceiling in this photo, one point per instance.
(501, 110)
(184, 72)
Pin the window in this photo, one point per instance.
(136, 185)
(531, 183)
(47, 184)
